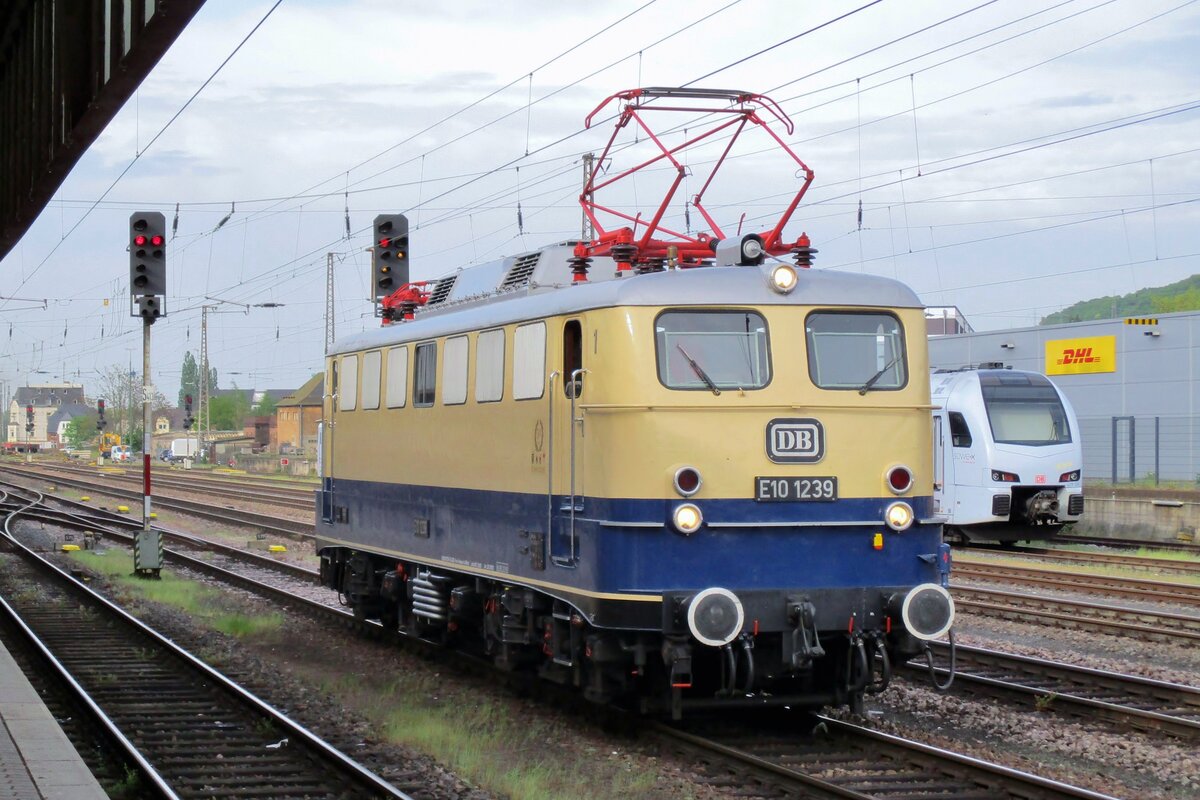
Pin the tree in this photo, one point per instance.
(228, 412)
(189, 378)
(81, 431)
(122, 392)
(265, 407)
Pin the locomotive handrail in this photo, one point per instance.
(576, 381)
(550, 466)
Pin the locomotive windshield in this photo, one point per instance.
(852, 350)
(1028, 412)
(712, 350)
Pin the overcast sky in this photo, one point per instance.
(1010, 157)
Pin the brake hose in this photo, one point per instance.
(929, 659)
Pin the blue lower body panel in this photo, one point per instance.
(624, 556)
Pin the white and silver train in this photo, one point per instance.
(1008, 462)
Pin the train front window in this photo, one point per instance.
(855, 350)
(1028, 413)
(712, 350)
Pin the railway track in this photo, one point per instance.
(869, 768)
(1127, 701)
(190, 731)
(1107, 585)
(1057, 612)
(842, 760)
(1096, 558)
(268, 523)
(239, 487)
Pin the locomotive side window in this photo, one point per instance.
(712, 350)
(855, 350)
(489, 366)
(572, 358)
(454, 371)
(348, 399)
(397, 377)
(529, 361)
(370, 379)
(425, 374)
(1023, 410)
(960, 433)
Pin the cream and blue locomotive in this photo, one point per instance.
(1008, 459)
(686, 487)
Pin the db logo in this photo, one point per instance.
(1040, 479)
(1078, 355)
(795, 441)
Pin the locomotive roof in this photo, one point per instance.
(698, 286)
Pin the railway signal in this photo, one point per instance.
(148, 263)
(29, 419)
(389, 265)
(188, 419)
(101, 422)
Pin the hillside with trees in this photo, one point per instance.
(1183, 295)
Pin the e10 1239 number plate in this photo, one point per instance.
(790, 490)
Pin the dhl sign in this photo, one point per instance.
(1077, 356)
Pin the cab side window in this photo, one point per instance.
(960, 434)
(425, 374)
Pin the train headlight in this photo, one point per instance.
(715, 617)
(1069, 477)
(687, 519)
(899, 516)
(783, 278)
(927, 611)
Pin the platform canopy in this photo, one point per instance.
(66, 68)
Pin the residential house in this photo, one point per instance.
(299, 415)
(60, 419)
(45, 400)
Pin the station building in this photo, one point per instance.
(1134, 383)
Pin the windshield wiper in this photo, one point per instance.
(866, 387)
(699, 370)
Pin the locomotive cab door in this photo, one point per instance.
(566, 475)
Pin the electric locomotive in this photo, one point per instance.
(1008, 459)
(684, 474)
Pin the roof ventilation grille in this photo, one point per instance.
(521, 271)
(442, 290)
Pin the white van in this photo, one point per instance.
(122, 452)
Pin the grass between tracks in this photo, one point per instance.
(521, 756)
(507, 746)
(203, 603)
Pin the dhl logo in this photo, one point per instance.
(1078, 355)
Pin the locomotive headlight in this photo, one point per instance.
(715, 617)
(899, 516)
(687, 519)
(783, 278)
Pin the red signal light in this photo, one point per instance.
(385, 242)
(156, 240)
(140, 240)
